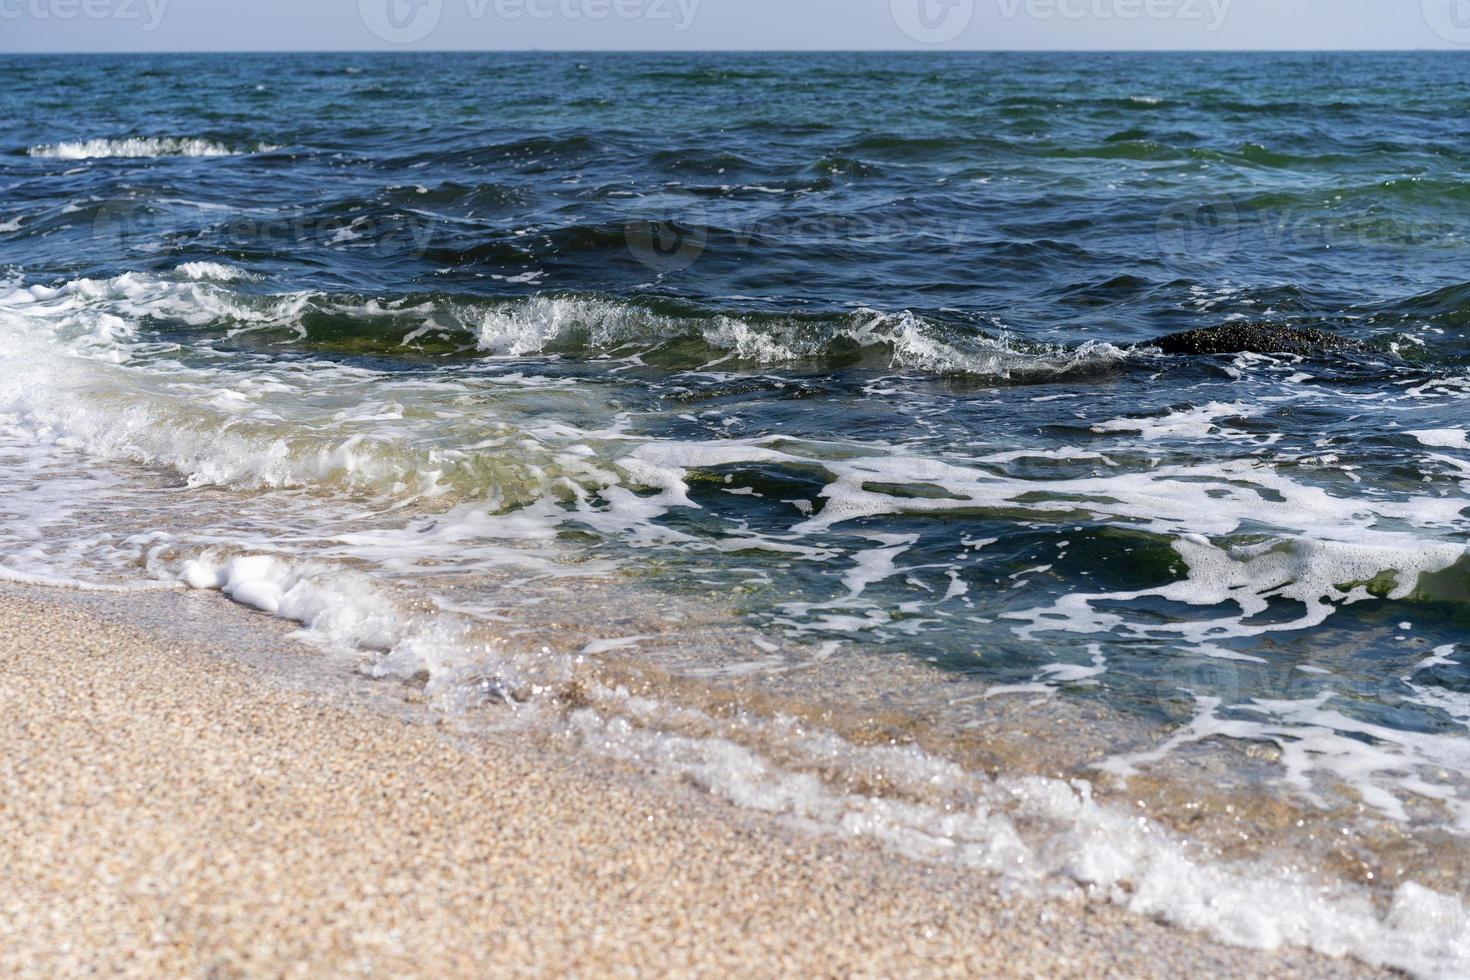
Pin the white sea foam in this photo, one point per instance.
(1194, 423)
(1443, 438)
(548, 323)
(1034, 834)
(350, 612)
(552, 324)
(1316, 739)
(79, 374)
(137, 147)
(1051, 678)
(1318, 574)
(63, 582)
(195, 301)
(190, 422)
(212, 271)
(1324, 552)
(70, 372)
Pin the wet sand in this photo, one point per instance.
(168, 808)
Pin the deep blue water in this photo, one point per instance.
(1064, 197)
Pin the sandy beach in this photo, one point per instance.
(169, 810)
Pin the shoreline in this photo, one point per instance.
(181, 795)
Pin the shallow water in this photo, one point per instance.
(724, 405)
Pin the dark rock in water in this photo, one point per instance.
(1254, 338)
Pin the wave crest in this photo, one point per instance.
(903, 341)
(656, 333)
(139, 147)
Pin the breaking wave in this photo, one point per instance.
(904, 341)
(139, 146)
(656, 333)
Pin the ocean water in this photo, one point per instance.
(789, 423)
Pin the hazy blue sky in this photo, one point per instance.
(173, 25)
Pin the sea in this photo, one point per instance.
(790, 425)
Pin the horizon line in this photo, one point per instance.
(645, 51)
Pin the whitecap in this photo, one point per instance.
(1443, 438)
(138, 147)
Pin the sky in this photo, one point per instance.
(654, 25)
